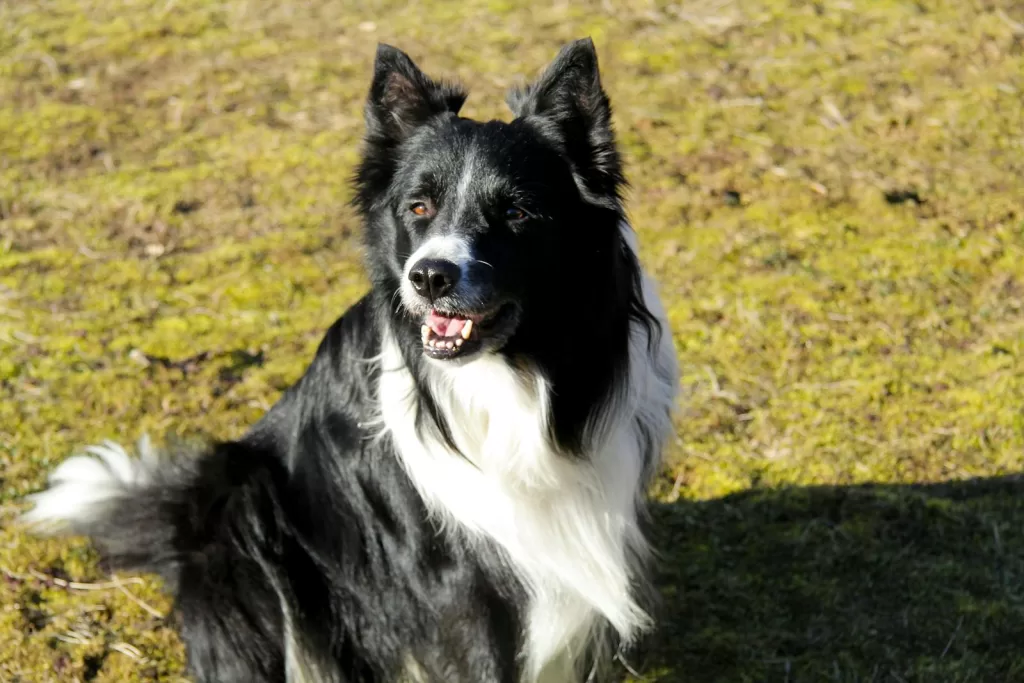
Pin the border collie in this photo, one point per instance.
(454, 490)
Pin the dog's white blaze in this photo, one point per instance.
(462, 188)
(568, 524)
(447, 247)
(81, 486)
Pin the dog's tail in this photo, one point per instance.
(156, 512)
(209, 523)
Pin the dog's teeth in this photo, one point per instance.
(425, 332)
(450, 345)
(458, 342)
(467, 329)
(432, 342)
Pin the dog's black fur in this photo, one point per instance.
(312, 509)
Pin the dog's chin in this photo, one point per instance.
(458, 335)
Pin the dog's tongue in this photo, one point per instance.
(444, 326)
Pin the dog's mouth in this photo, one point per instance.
(457, 334)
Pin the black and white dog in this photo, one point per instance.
(454, 489)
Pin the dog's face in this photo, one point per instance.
(491, 235)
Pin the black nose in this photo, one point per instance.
(433, 278)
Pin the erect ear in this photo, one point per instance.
(570, 106)
(402, 97)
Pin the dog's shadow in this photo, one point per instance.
(859, 583)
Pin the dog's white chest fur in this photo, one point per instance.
(568, 524)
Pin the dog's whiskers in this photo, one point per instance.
(397, 305)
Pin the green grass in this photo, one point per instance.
(831, 193)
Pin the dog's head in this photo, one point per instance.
(494, 236)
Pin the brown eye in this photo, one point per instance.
(420, 209)
(515, 214)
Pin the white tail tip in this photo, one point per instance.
(82, 485)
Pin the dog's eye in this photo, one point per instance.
(514, 213)
(421, 209)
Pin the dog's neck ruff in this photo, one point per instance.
(567, 522)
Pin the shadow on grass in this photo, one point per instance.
(861, 583)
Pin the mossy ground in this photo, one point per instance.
(830, 193)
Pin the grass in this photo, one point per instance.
(830, 193)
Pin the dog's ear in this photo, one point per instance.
(402, 97)
(569, 105)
